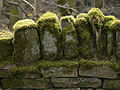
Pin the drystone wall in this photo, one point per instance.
(79, 53)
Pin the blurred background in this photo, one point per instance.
(14, 10)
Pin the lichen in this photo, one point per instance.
(6, 46)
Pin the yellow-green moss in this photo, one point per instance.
(109, 20)
(116, 25)
(82, 15)
(6, 46)
(26, 23)
(63, 63)
(96, 17)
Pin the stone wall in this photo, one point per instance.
(79, 53)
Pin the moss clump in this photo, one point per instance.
(116, 25)
(47, 64)
(82, 15)
(6, 46)
(96, 17)
(21, 71)
(109, 20)
(88, 64)
(22, 24)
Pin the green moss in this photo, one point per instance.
(26, 23)
(116, 25)
(82, 15)
(109, 20)
(96, 17)
(6, 46)
(68, 19)
(63, 63)
(88, 64)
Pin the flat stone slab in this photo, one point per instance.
(60, 72)
(76, 82)
(102, 71)
(112, 84)
(42, 83)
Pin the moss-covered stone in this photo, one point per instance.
(6, 46)
(82, 15)
(49, 28)
(84, 36)
(69, 35)
(26, 42)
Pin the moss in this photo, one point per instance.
(21, 24)
(82, 15)
(23, 70)
(109, 20)
(6, 46)
(116, 25)
(63, 63)
(96, 17)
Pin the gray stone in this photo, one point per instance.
(75, 82)
(112, 84)
(102, 71)
(60, 72)
(42, 83)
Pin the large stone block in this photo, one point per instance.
(42, 83)
(58, 68)
(6, 46)
(26, 42)
(86, 45)
(96, 69)
(75, 82)
(111, 85)
(49, 28)
(69, 35)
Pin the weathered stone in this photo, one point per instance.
(60, 72)
(49, 27)
(4, 73)
(6, 46)
(70, 40)
(42, 83)
(118, 44)
(75, 82)
(66, 89)
(26, 42)
(111, 85)
(102, 71)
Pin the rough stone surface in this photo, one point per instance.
(75, 82)
(112, 84)
(49, 43)
(26, 83)
(60, 72)
(4, 73)
(103, 71)
(26, 46)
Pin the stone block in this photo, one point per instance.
(60, 72)
(100, 71)
(76, 82)
(26, 42)
(49, 28)
(42, 83)
(70, 40)
(111, 85)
